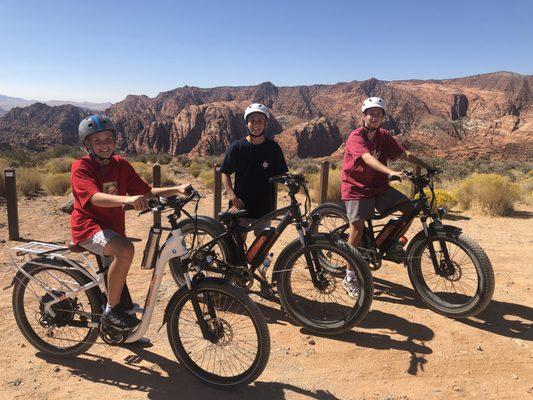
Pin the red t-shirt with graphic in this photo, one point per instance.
(359, 180)
(87, 177)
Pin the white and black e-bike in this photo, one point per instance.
(215, 330)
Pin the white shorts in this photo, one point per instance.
(97, 243)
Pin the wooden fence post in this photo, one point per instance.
(156, 181)
(12, 205)
(217, 202)
(418, 171)
(324, 175)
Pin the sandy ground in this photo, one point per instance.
(401, 351)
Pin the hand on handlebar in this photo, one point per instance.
(236, 204)
(397, 176)
(138, 203)
(184, 189)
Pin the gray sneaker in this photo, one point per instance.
(351, 286)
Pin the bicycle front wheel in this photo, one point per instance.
(238, 351)
(68, 328)
(462, 283)
(326, 308)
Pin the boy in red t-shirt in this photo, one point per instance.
(102, 183)
(365, 176)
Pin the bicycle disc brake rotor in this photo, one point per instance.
(328, 283)
(64, 310)
(222, 331)
(451, 270)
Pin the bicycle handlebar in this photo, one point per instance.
(159, 204)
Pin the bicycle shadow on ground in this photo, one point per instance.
(504, 319)
(375, 320)
(455, 217)
(130, 376)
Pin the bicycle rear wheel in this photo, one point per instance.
(69, 332)
(202, 231)
(241, 348)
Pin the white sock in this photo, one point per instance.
(108, 308)
(350, 275)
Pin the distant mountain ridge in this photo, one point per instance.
(7, 103)
(483, 116)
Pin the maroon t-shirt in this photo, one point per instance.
(360, 181)
(87, 177)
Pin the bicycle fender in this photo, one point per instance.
(183, 291)
(293, 246)
(434, 229)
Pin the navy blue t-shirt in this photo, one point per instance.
(253, 165)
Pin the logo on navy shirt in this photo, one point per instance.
(265, 164)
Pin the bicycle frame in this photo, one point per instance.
(173, 247)
(290, 215)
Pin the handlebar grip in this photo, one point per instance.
(394, 178)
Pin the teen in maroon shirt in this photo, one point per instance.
(365, 176)
(101, 184)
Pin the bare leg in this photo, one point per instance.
(356, 233)
(122, 250)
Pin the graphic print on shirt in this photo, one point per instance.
(265, 164)
(110, 187)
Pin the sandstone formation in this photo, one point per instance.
(483, 116)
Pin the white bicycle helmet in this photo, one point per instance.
(256, 108)
(372, 102)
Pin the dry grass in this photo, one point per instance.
(29, 180)
(491, 194)
(334, 185)
(59, 165)
(57, 184)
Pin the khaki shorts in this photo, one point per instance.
(364, 208)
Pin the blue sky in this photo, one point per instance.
(104, 50)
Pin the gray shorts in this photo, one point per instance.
(97, 243)
(364, 208)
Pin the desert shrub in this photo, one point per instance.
(3, 165)
(59, 165)
(144, 170)
(208, 178)
(182, 160)
(443, 198)
(164, 159)
(29, 181)
(167, 176)
(334, 186)
(492, 194)
(196, 168)
(61, 150)
(57, 183)
(404, 187)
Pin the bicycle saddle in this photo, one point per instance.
(229, 215)
(74, 248)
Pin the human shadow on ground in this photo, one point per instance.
(131, 376)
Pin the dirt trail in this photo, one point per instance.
(401, 351)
